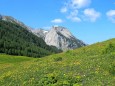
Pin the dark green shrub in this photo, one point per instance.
(58, 59)
(46, 81)
(112, 69)
(109, 48)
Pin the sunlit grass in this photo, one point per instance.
(87, 66)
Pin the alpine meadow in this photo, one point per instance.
(92, 65)
(57, 43)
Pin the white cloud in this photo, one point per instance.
(111, 15)
(75, 19)
(91, 14)
(80, 3)
(74, 16)
(76, 11)
(76, 4)
(63, 10)
(72, 7)
(57, 21)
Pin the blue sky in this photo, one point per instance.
(89, 20)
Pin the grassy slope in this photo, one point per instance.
(87, 66)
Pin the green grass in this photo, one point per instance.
(86, 66)
(12, 59)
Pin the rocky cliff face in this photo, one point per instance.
(60, 37)
(40, 33)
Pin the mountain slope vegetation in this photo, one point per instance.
(92, 65)
(16, 40)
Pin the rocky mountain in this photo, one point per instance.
(40, 32)
(60, 37)
(57, 36)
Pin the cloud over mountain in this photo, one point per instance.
(57, 21)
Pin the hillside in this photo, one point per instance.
(17, 40)
(92, 65)
(13, 20)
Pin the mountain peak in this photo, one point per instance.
(62, 30)
(62, 38)
(58, 28)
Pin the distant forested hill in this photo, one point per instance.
(16, 40)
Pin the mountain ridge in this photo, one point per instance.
(40, 32)
(13, 20)
(57, 36)
(60, 37)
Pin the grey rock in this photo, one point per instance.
(40, 33)
(62, 38)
